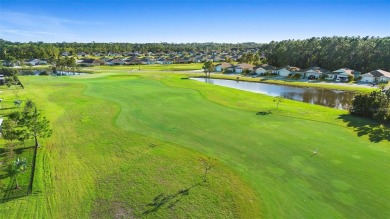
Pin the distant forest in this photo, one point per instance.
(358, 53)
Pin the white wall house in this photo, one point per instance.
(342, 73)
(238, 70)
(222, 66)
(283, 72)
(260, 70)
(369, 78)
(376, 76)
(312, 73)
(316, 72)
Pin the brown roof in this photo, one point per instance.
(225, 65)
(245, 66)
(345, 70)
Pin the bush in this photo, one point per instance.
(296, 76)
(350, 78)
(44, 73)
(246, 72)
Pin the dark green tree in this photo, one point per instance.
(375, 105)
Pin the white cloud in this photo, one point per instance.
(16, 26)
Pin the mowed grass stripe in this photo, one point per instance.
(348, 177)
(92, 168)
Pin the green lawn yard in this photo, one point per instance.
(128, 145)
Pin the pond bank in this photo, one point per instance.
(314, 84)
(319, 96)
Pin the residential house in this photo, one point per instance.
(113, 54)
(92, 62)
(341, 74)
(208, 58)
(215, 58)
(265, 69)
(314, 72)
(164, 61)
(288, 70)
(178, 60)
(105, 59)
(114, 62)
(36, 62)
(236, 57)
(148, 61)
(376, 76)
(133, 60)
(199, 59)
(222, 66)
(129, 54)
(65, 53)
(188, 59)
(242, 67)
(82, 54)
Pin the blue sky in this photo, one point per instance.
(179, 21)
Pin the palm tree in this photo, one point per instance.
(17, 167)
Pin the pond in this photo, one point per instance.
(58, 73)
(68, 73)
(325, 97)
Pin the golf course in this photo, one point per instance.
(150, 143)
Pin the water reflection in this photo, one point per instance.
(330, 98)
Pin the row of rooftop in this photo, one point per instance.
(342, 74)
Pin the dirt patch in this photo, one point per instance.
(111, 209)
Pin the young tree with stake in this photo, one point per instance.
(207, 164)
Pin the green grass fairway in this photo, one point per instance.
(128, 145)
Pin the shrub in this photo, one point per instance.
(296, 76)
(350, 78)
(44, 73)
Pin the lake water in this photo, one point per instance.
(325, 97)
(68, 73)
(59, 73)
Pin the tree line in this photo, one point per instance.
(51, 51)
(359, 53)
